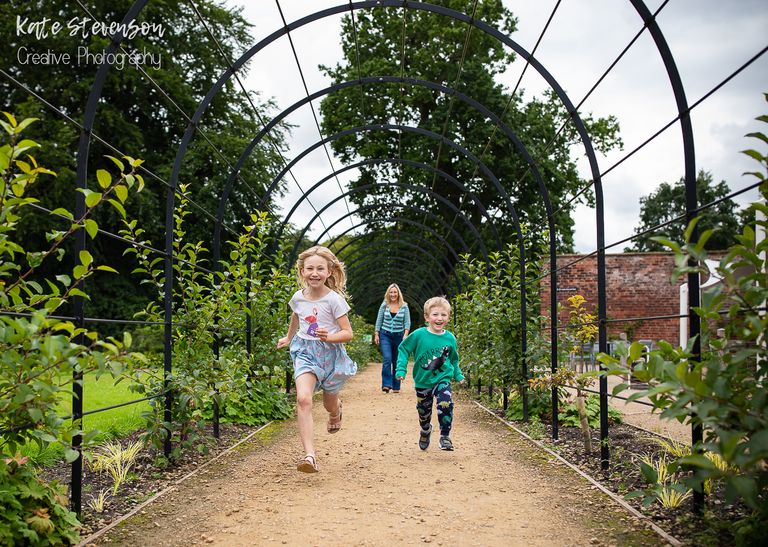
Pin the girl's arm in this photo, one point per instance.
(344, 335)
(293, 326)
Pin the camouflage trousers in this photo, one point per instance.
(425, 397)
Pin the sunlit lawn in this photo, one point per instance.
(97, 394)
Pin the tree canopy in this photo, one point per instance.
(423, 45)
(144, 112)
(667, 203)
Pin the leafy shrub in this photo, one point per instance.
(211, 367)
(260, 403)
(361, 349)
(41, 357)
(40, 354)
(539, 405)
(723, 391)
(569, 414)
(34, 513)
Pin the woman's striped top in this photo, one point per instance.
(399, 323)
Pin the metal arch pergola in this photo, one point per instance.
(683, 118)
(138, 6)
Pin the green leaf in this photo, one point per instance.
(35, 259)
(92, 199)
(106, 269)
(649, 473)
(117, 162)
(63, 212)
(121, 192)
(11, 119)
(118, 206)
(747, 489)
(85, 258)
(698, 460)
(36, 414)
(755, 154)
(78, 292)
(64, 280)
(91, 227)
(104, 178)
(25, 123)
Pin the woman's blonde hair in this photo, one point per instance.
(400, 300)
(337, 277)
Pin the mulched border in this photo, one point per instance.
(713, 528)
(147, 481)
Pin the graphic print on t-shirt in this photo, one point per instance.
(312, 320)
(435, 363)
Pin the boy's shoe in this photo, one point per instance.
(424, 437)
(445, 443)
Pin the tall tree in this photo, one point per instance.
(417, 44)
(668, 203)
(143, 113)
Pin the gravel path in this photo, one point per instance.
(375, 487)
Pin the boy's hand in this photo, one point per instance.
(462, 381)
(282, 342)
(401, 378)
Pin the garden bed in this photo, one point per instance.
(714, 527)
(145, 479)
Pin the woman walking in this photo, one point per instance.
(392, 325)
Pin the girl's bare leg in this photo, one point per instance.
(331, 403)
(305, 387)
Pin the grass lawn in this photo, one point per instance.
(111, 423)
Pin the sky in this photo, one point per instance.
(709, 39)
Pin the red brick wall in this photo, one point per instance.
(637, 285)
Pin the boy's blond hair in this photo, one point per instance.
(337, 278)
(436, 301)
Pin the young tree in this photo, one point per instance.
(668, 203)
(422, 45)
(143, 113)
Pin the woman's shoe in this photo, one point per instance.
(395, 391)
(386, 389)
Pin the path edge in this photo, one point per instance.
(96, 535)
(634, 512)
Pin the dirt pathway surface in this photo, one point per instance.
(375, 487)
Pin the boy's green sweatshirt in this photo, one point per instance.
(424, 346)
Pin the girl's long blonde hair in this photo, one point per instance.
(337, 277)
(400, 300)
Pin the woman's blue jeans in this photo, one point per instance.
(389, 341)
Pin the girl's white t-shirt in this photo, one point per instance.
(318, 313)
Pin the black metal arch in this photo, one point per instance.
(392, 246)
(440, 220)
(419, 165)
(662, 47)
(419, 285)
(442, 199)
(447, 245)
(412, 236)
(385, 79)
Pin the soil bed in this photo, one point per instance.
(628, 443)
(145, 478)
